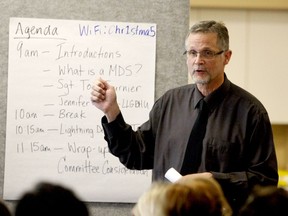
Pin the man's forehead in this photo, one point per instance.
(202, 39)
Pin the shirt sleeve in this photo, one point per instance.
(133, 148)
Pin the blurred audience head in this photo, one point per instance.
(50, 199)
(200, 197)
(209, 191)
(266, 201)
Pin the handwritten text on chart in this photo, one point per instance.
(48, 31)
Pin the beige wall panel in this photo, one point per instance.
(241, 4)
(267, 62)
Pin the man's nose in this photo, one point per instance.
(198, 59)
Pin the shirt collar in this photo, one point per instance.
(215, 97)
(219, 94)
(197, 97)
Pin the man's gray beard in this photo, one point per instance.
(202, 82)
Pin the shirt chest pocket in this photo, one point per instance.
(221, 155)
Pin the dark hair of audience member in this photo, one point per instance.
(50, 199)
(266, 201)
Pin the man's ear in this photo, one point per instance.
(228, 55)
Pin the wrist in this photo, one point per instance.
(112, 114)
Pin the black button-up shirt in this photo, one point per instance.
(238, 147)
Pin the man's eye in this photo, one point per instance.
(208, 53)
(193, 52)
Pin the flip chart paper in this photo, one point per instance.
(53, 132)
